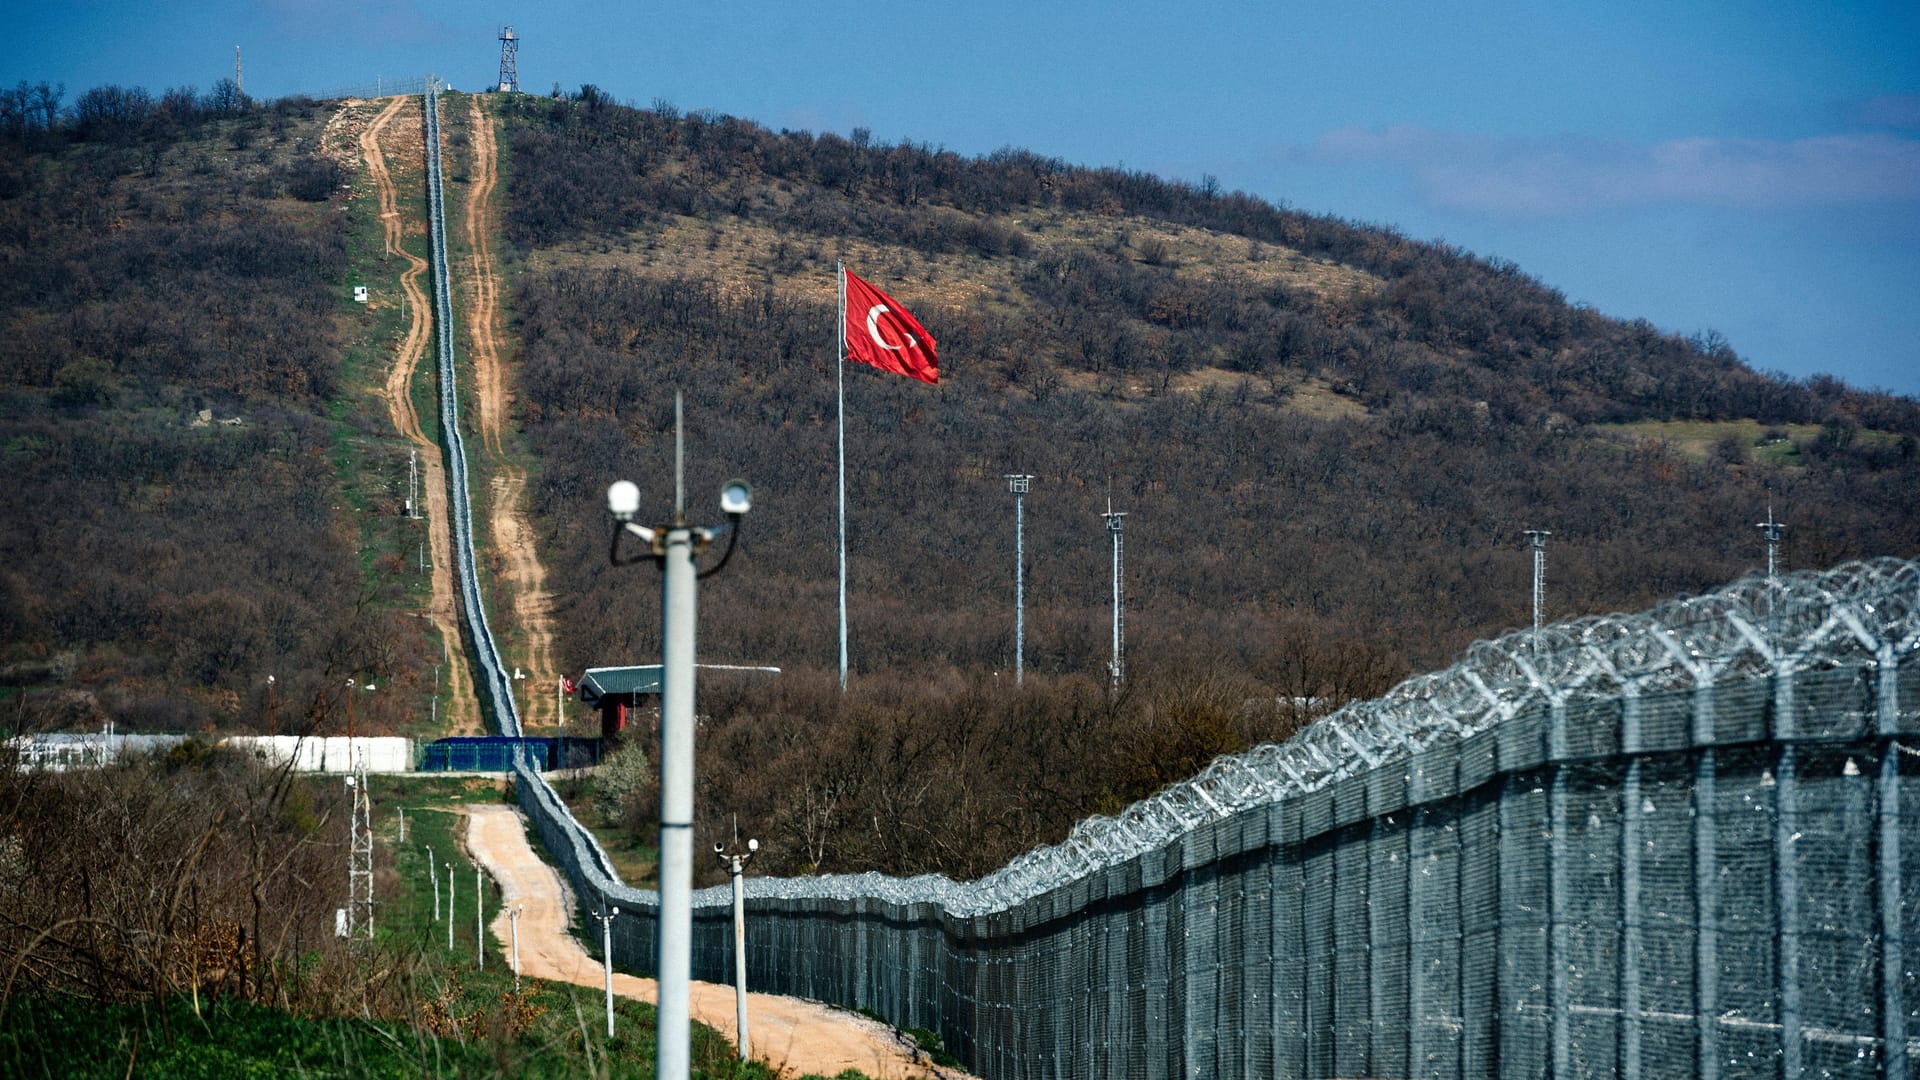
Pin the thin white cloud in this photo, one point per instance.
(1888, 111)
(1549, 176)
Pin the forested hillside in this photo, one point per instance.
(1327, 437)
(173, 419)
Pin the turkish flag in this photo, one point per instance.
(880, 332)
(566, 685)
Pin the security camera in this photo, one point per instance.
(753, 845)
(719, 849)
(736, 498)
(623, 500)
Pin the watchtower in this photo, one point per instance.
(509, 61)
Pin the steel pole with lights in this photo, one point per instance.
(513, 919)
(674, 547)
(1018, 483)
(606, 958)
(736, 863)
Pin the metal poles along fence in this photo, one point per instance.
(1672, 843)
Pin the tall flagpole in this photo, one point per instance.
(840, 378)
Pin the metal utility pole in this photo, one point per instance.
(1538, 538)
(509, 61)
(673, 547)
(606, 957)
(479, 917)
(736, 863)
(413, 484)
(513, 923)
(433, 875)
(1116, 523)
(360, 853)
(1018, 483)
(239, 79)
(449, 907)
(1772, 531)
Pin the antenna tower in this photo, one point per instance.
(1018, 483)
(360, 853)
(239, 83)
(1116, 523)
(1538, 538)
(509, 61)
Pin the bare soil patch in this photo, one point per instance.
(793, 1036)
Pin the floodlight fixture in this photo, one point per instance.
(736, 499)
(623, 500)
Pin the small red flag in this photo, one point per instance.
(566, 685)
(880, 332)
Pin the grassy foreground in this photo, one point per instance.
(425, 1010)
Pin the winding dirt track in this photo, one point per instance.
(792, 1036)
(508, 525)
(463, 708)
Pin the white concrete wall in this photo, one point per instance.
(384, 754)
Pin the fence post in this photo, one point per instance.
(1893, 1008)
(1557, 937)
(1786, 806)
(1631, 847)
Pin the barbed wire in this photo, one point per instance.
(1857, 614)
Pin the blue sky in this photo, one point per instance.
(1750, 168)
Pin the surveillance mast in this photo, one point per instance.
(1116, 522)
(509, 62)
(1538, 538)
(1772, 531)
(360, 853)
(1018, 484)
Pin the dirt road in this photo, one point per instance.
(508, 526)
(462, 712)
(789, 1035)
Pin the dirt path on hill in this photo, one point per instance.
(790, 1035)
(462, 712)
(508, 525)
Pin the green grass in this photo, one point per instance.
(1769, 444)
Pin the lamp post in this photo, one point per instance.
(1017, 483)
(449, 907)
(606, 957)
(673, 547)
(433, 875)
(736, 863)
(479, 917)
(513, 922)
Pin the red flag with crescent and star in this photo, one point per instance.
(878, 331)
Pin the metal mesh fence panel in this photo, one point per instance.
(1659, 845)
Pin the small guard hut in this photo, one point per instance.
(616, 690)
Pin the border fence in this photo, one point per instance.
(1641, 846)
(1655, 845)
